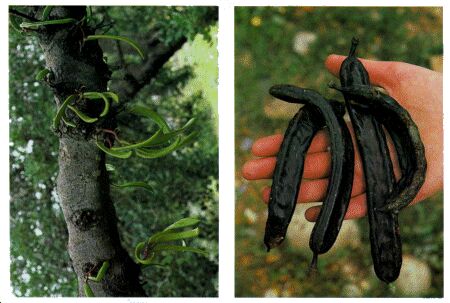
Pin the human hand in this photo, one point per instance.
(417, 89)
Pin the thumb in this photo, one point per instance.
(380, 72)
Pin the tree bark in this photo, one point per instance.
(82, 184)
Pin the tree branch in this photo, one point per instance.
(158, 53)
(22, 15)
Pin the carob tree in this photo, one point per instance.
(76, 65)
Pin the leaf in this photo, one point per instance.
(41, 74)
(82, 115)
(117, 154)
(135, 184)
(46, 12)
(120, 38)
(139, 144)
(173, 236)
(35, 25)
(185, 222)
(159, 248)
(148, 113)
(61, 111)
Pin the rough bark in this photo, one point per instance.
(82, 184)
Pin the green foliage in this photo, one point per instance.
(130, 42)
(272, 46)
(185, 184)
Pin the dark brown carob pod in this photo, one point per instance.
(288, 172)
(406, 138)
(386, 246)
(338, 194)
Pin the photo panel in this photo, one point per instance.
(358, 140)
(113, 151)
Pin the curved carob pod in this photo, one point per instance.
(385, 238)
(334, 207)
(406, 137)
(288, 172)
(339, 189)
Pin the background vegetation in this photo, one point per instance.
(185, 182)
(289, 45)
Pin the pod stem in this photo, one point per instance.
(355, 42)
(312, 271)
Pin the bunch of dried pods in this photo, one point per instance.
(369, 110)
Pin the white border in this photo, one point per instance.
(226, 144)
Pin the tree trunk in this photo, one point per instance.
(83, 185)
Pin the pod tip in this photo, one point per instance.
(273, 241)
(312, 271)
(355, 42)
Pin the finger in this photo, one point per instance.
(316, 166)
(356, 209)
(316, 190)
(267, 146)
(380, 72)
(270, 145)
(257, 169)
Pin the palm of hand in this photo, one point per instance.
(417, 89)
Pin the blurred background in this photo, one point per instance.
(289, 45)
(185, 182)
